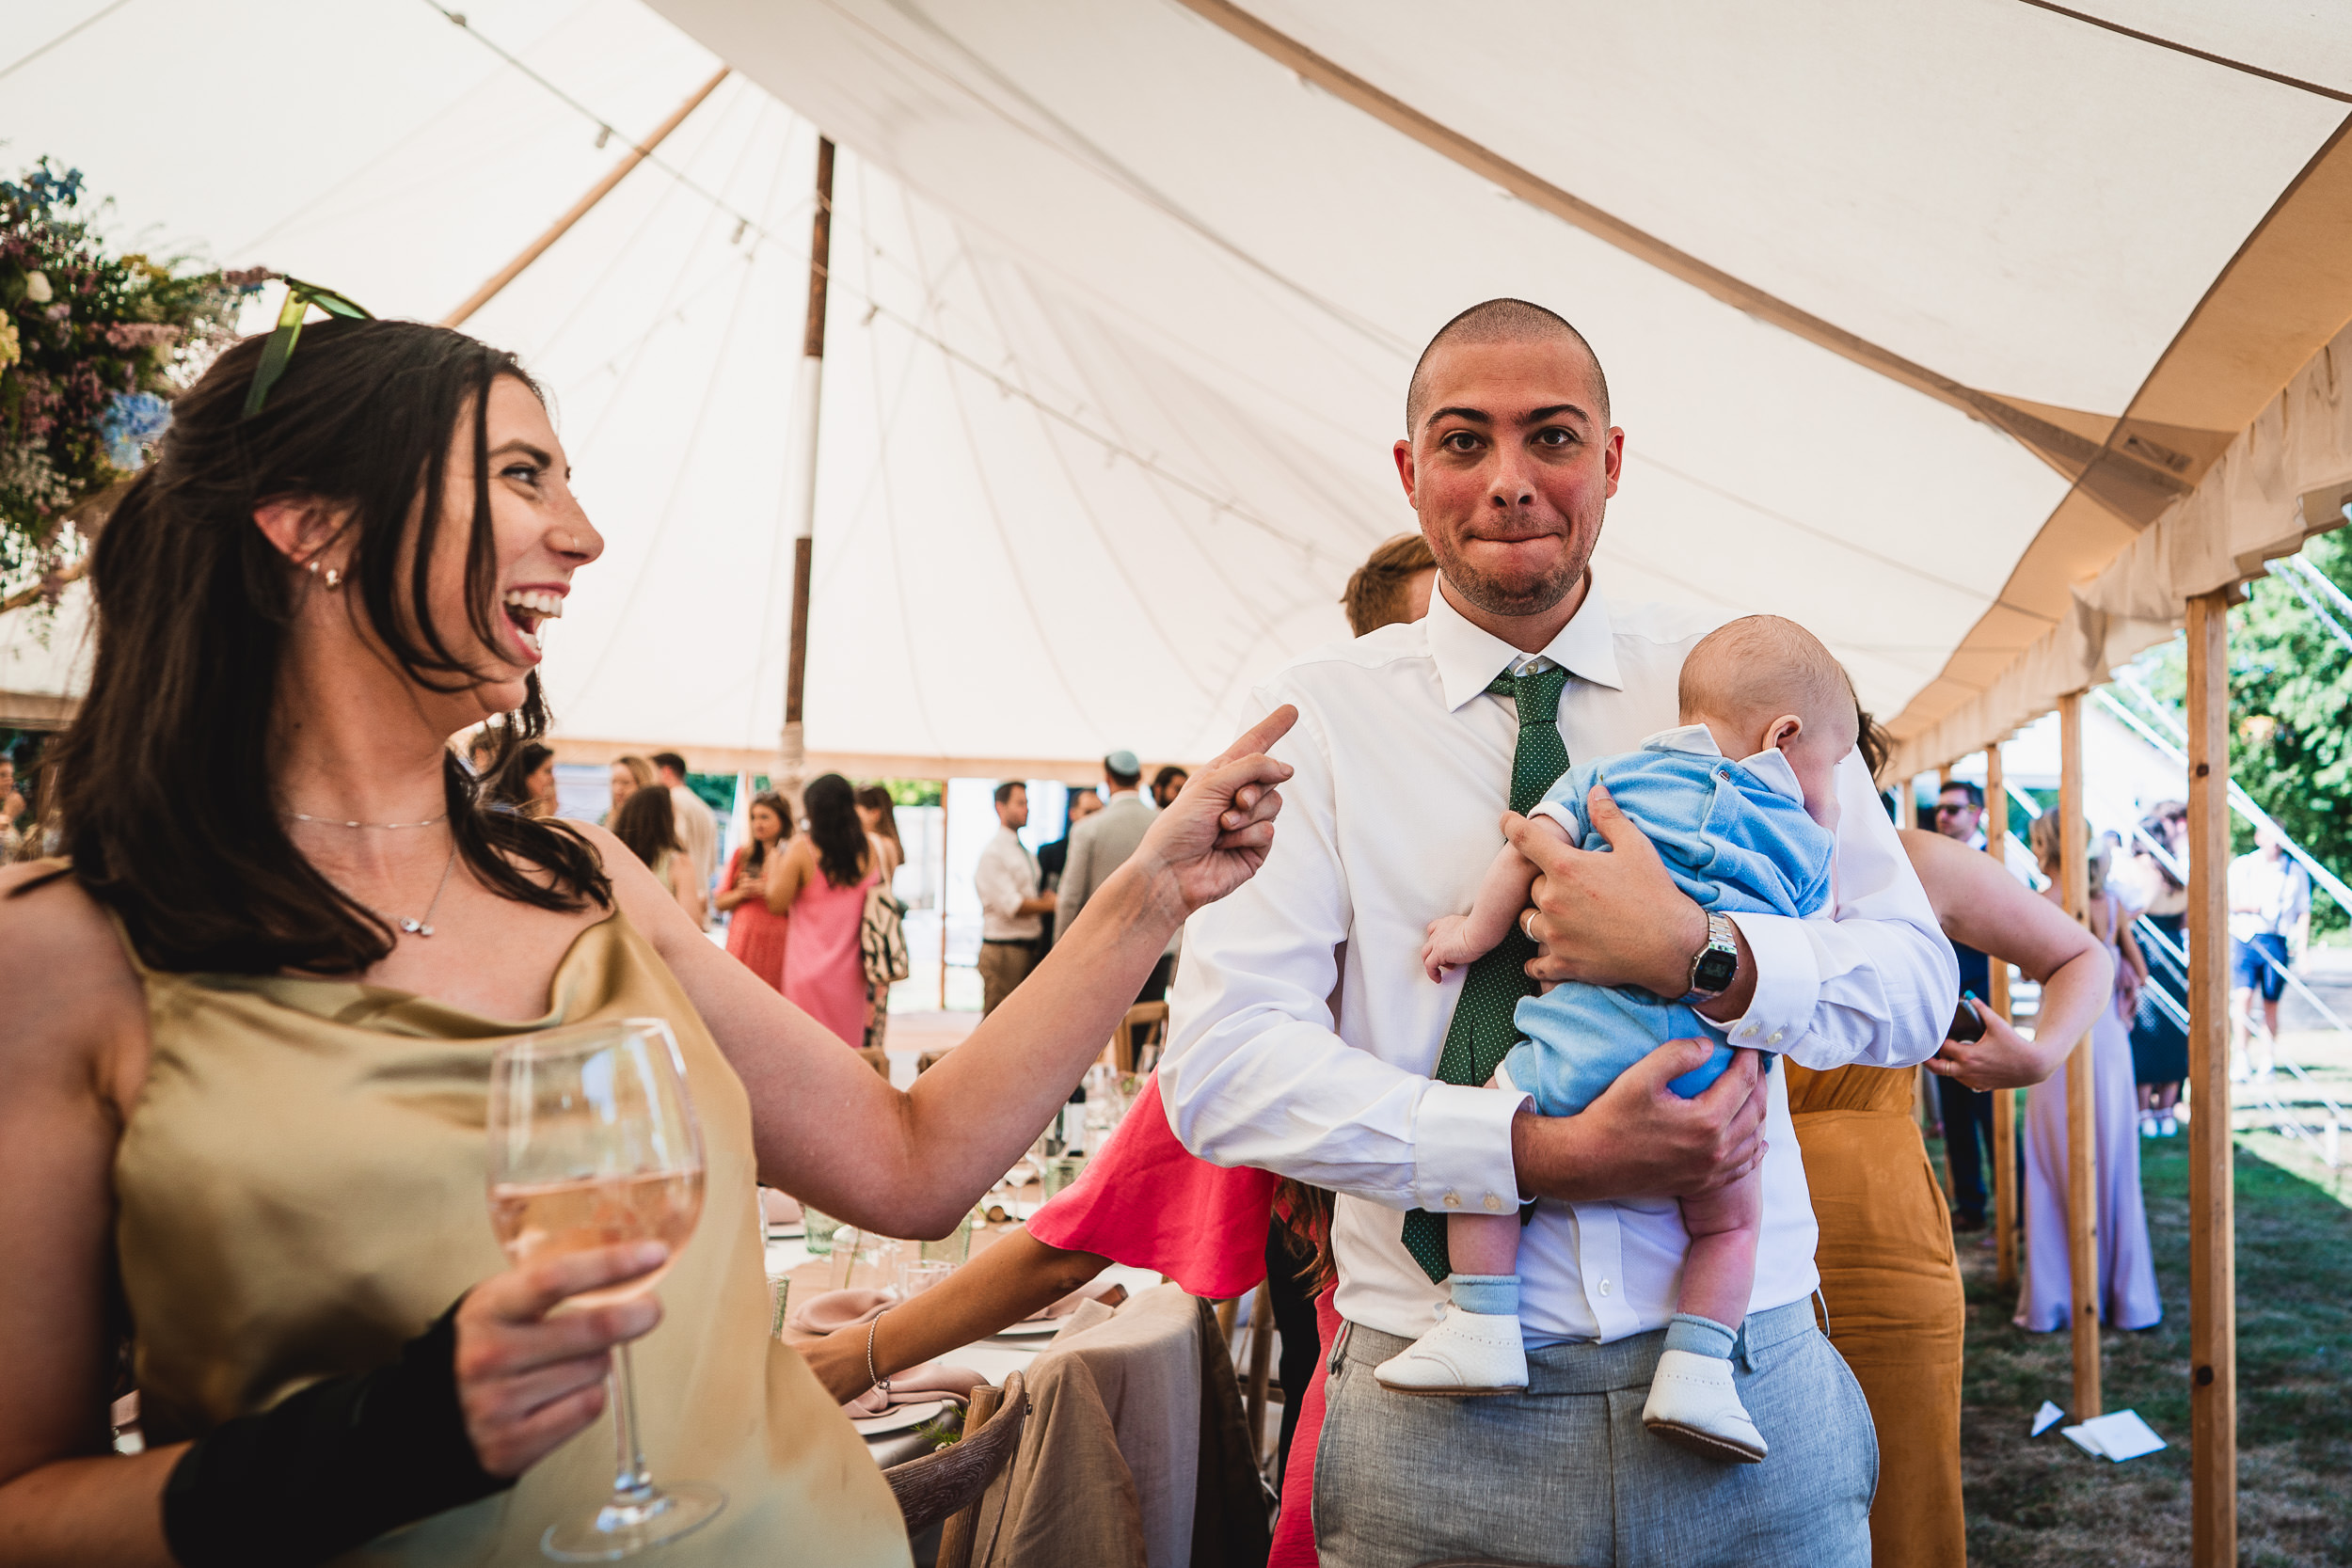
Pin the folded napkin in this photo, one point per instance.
(831, 1311)
(932, 1380)
(1109, 1295)
(779, 1208)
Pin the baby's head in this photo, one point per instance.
(1761, 684)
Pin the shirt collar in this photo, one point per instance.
(1469, 657)
(1771, 769)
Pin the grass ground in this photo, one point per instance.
(2041, 1502)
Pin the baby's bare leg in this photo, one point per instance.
(1482, 1243)
(1719, 1271)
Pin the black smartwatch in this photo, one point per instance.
(1716, 965)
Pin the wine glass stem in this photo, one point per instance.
(632, 1482)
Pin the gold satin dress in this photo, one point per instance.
(1892, 1285)
(301, 1188)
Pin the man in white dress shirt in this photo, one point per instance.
(1404, 750)
(1011, 908)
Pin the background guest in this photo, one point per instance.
(1101, 846)
(1393, 584)
(755, 935)
(2126, 1275)
(629, 775)
(1011, 908)
(525, 782)
(2159, 1043)
(11, 810)
(648, 827)
(1164, 785)
(697, 826)
(822, 883)
(2270, 893)
(879, 815)
(1967, 1115)
(1052, 858)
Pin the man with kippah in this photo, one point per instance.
(1308, 1039)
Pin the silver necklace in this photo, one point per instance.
(423, 925)
(332, 822)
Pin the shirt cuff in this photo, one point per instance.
(1787, 983)
(1462, 1150)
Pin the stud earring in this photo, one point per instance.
(334, 579)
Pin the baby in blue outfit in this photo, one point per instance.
(1754, 835)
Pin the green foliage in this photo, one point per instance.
(2290, 689)
(908, 792)
(92, 348)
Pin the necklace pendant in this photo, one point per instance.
(416, 928)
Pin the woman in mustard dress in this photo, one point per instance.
(1889, 1277)
(243, 1089)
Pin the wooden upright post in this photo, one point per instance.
(2004, 1101)
(2212, 1222)
(2082, 1121)
(943, 894)
(808, 395)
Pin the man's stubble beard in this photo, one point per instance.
(1496, 596)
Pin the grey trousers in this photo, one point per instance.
(1565, 1476)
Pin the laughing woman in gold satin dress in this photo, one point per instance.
(244, 1075)
(1888, 1274)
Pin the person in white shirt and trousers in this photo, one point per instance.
(1406, 747)
(1011, 907)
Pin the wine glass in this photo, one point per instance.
(593, 1142)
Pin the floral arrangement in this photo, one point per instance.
(93, 347)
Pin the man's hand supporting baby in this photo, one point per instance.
(1616, 918)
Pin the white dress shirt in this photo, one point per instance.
(2280, 887)
(1006, 878)
(1404, 765)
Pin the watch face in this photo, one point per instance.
(1715, 970)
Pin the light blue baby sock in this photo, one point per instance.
(1700, 1335)
(1497, 1295)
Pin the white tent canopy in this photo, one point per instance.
(1917, 316)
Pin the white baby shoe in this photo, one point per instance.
(1468, 1353)
(1693, 1402)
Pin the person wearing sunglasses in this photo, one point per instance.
(242, 1095)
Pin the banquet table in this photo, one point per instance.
(788, 1258)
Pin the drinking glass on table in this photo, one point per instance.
(593, 1142)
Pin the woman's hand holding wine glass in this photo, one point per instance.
(530, 1378)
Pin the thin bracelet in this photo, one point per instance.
(880, 1382)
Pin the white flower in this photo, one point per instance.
(37, 288)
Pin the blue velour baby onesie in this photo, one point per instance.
(1734, 837)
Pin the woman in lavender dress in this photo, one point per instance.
(2127, 1274)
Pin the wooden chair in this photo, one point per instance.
(947, 1484)
(928, 1060)
(876, 1058)
(1144, 1028)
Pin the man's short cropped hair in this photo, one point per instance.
(1004, 791)
(672, 761)
(1501, 321)
(1975, 796)
(1379, 591)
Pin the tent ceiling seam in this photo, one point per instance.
(2046, 443)
(2193, 53)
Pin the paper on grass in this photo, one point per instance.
(2046, 1418)
(2120, 1437)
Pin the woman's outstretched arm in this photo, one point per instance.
(912, 1164)
(1979, 904)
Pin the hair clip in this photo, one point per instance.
(300, 296)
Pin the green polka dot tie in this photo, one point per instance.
(1484, 1029)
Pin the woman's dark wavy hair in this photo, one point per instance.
(756, 853)
(163, 785)
(648, 825)
(833, 829)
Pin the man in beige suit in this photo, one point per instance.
(1101, 844)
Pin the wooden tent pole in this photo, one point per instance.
(808, 395)
(2082, 1152)
(596, 192)
(943, 894)
(2212, 1224)
(2004, 1101)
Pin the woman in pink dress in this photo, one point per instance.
(755, 933)
(2127, 1273)
(822, 883)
